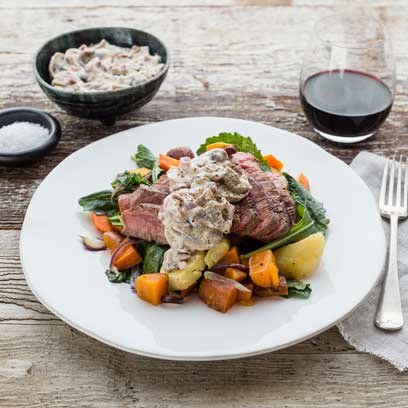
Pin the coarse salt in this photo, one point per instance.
(21, 136)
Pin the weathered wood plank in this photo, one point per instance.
(58, 367)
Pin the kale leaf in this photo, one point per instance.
(123, 276)
(127, 182)
(242, 143)
(145, 158)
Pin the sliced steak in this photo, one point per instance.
(268, 202)
(179, 152)
(143, 222)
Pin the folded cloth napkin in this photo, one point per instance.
(359, 329)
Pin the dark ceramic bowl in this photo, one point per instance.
(9, 116)
(103, 106)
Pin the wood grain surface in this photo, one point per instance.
(238, 58)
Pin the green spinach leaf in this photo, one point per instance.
(242, 143)
(298, 288)
(314, 207)
(145, 158)
(99, 202)
(153, 258)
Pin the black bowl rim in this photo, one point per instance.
(52, 141)
(124, 91)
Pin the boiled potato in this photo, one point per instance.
(217, 252)
(181, 279)
(300, 259)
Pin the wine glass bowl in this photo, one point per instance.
(347, 82)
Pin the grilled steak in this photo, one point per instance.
(268, 202)
(140, 210)
(265, 214)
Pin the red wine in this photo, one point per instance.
(345, 103)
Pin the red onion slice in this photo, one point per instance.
(220, 268)
(173, 298)
(93, 244)
(215, 277)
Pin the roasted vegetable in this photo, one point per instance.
(125, 256)
(142, 171)
(217, 252)
(303, 181)
(246, 296)
(184, 278)
(101, 222)
(152, 287)
(112, 240)
(280, 290)
(263, 270)
(92, 244)
(217, 295)
(167, 162)
(235, 274)
(232, 256)
(273, 162)
(301, 259)
(217, 145)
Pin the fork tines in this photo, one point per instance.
(390, 202)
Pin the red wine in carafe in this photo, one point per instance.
(345, 103)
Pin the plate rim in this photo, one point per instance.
(174, 356)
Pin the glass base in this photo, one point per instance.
(343, 139)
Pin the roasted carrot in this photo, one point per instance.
(166, 162)
(217, 145)
(152, 287)
(273, 162)
(232, 256)
(235, 274)
(303, 181)
(127, 258)
(101, 222)
(263, 270)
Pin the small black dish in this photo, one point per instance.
(9, 116)
(104, 106)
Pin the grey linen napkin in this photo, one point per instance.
(358, 329)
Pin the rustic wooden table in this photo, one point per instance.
(238, 58)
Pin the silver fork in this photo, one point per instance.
(392, 206)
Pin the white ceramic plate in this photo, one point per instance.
(71, 282)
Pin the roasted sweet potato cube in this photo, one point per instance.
(217, 295)
(152, 287)
(246, 295)
(281, 290)
(235, 274)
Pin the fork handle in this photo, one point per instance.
(389, 313)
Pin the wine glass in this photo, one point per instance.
(347, 82)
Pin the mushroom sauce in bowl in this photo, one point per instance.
(103, 67)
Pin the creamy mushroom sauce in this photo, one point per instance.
(198, 211)
(102, 67)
